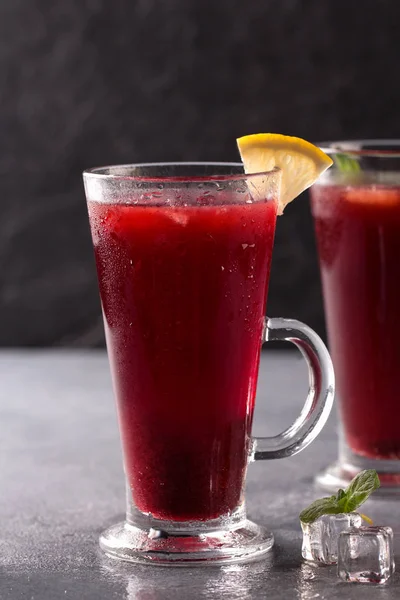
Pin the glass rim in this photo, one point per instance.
(380, 148)
(103, 174)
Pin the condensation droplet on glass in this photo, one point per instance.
(244, 246)
(160, 186)
(131, 262)
(222, 268)
(205, 199)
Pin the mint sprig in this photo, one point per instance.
(346, 163)
(345, 501)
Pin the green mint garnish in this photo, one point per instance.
(345, 501)
(347, 164)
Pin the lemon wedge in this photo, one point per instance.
(367, 519)
(301, 162)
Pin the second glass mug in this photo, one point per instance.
(356, 209)
(183, 254)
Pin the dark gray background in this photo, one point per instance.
(89, 82)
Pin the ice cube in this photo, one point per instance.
(320, 538)
(179, 216)
(366, 554)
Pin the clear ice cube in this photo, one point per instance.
(179, 216)
(366, 555)
(320, 538)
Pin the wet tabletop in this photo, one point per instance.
(61, 483)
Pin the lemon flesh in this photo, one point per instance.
(300, 161)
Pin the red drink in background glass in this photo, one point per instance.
(358, 235)
(183, 291)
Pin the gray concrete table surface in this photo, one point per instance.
(62, 483)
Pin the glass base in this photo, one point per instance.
(339, 474)
(246, 543)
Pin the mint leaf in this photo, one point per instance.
(346, 163)
(359, 490)
(345, 501)
(323, 506)
(341, 493)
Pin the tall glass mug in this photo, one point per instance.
(356, 208)
(183, 254)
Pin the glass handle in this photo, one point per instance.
(320, 396)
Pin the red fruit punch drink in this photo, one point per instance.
(183, 254)
(358, 234)
(183, 286)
